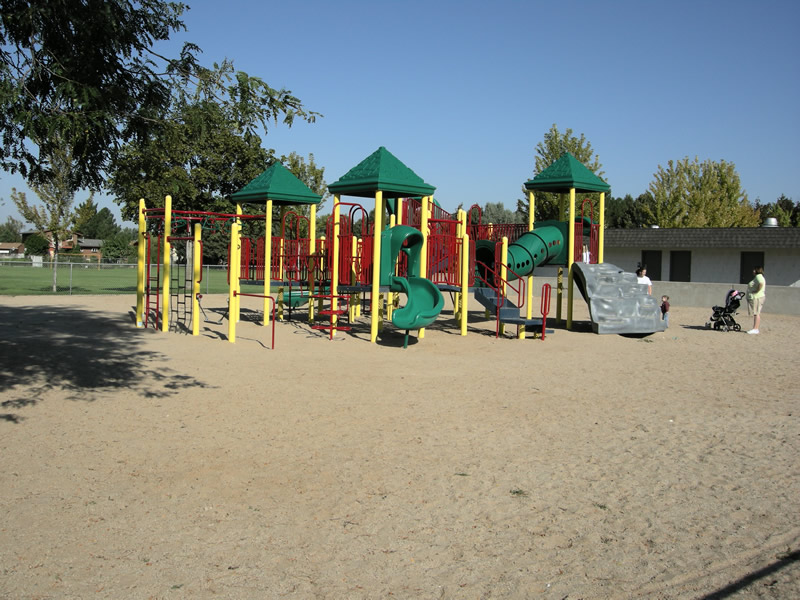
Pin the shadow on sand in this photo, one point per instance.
(77, 352)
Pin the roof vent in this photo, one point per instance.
(770, 222)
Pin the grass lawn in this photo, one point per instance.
(23, 279)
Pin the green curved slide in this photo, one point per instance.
(424, 300)
(546, 244)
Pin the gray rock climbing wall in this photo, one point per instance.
(617, 303)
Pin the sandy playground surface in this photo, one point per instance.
(138, 464)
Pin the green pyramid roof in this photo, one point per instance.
(279, 185)
(567, 173)
(381, 171)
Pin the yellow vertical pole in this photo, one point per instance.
(234, 278)
(267, 260)
(423, 258)
(503, 275)
(461, 231)
(167, 257)
(141, 252)
(571, 254)
(601, 237)
(529, 282)
(335, 274)
(380, 208)
(464, 281)
(312, 248)
(197, 267)
(238, 260)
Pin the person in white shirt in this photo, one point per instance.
(641, 277)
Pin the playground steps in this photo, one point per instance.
(488, 299)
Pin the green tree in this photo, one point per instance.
(694, 194)
(498, 214)
(85, 70)
(85, 211)
(36, 245)
(625, 213)
(548, 151)
(783, 209)
(11, 230)
(206, 145)
(102, 226)
(55, 215)
(119, 247)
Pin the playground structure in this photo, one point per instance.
(418, 252)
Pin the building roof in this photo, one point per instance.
(381, 171)
(710, 237)
(11, 245)
(278, 184)
(90, 243)
(564, 174)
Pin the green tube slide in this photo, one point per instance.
(546, 244)
(424, 300)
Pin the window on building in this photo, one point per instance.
(748, 262)
(680, 265)
(651, 260)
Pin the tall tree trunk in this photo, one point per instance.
(55, 268)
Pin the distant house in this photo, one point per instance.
(90, 248)
(712, 255)
(12, 250)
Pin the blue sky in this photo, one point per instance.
(462, 92)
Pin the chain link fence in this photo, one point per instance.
(26, 277)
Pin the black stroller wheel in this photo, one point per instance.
(717, 325)
(737, 327)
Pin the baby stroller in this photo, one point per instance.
(722, 317)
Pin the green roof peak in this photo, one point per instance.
(567, 173)
(381, 171)
(278, 184)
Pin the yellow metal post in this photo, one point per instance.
(335, 274)
(423, 259)
(601, 236)
(167, 258)
(141, 252)
(529, 281)
(503, 275)
(380, 208)
(312, 248)
(571, 254)
(238, 261)
(196, 273)
(234, 278)
(464, 282)
(267, 260)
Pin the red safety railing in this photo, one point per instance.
(236, 293)
(545, 307)
(497, 286)
(586, 251)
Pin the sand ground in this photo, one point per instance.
(140, 464)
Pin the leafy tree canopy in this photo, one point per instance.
(84, 74)
(205, 147)
(102, 226)
(119, 246)
(11, 230)
(548, 151)
(625, 213)
(36, 245)
(85, 211)
(783, 209)
(694, 194)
